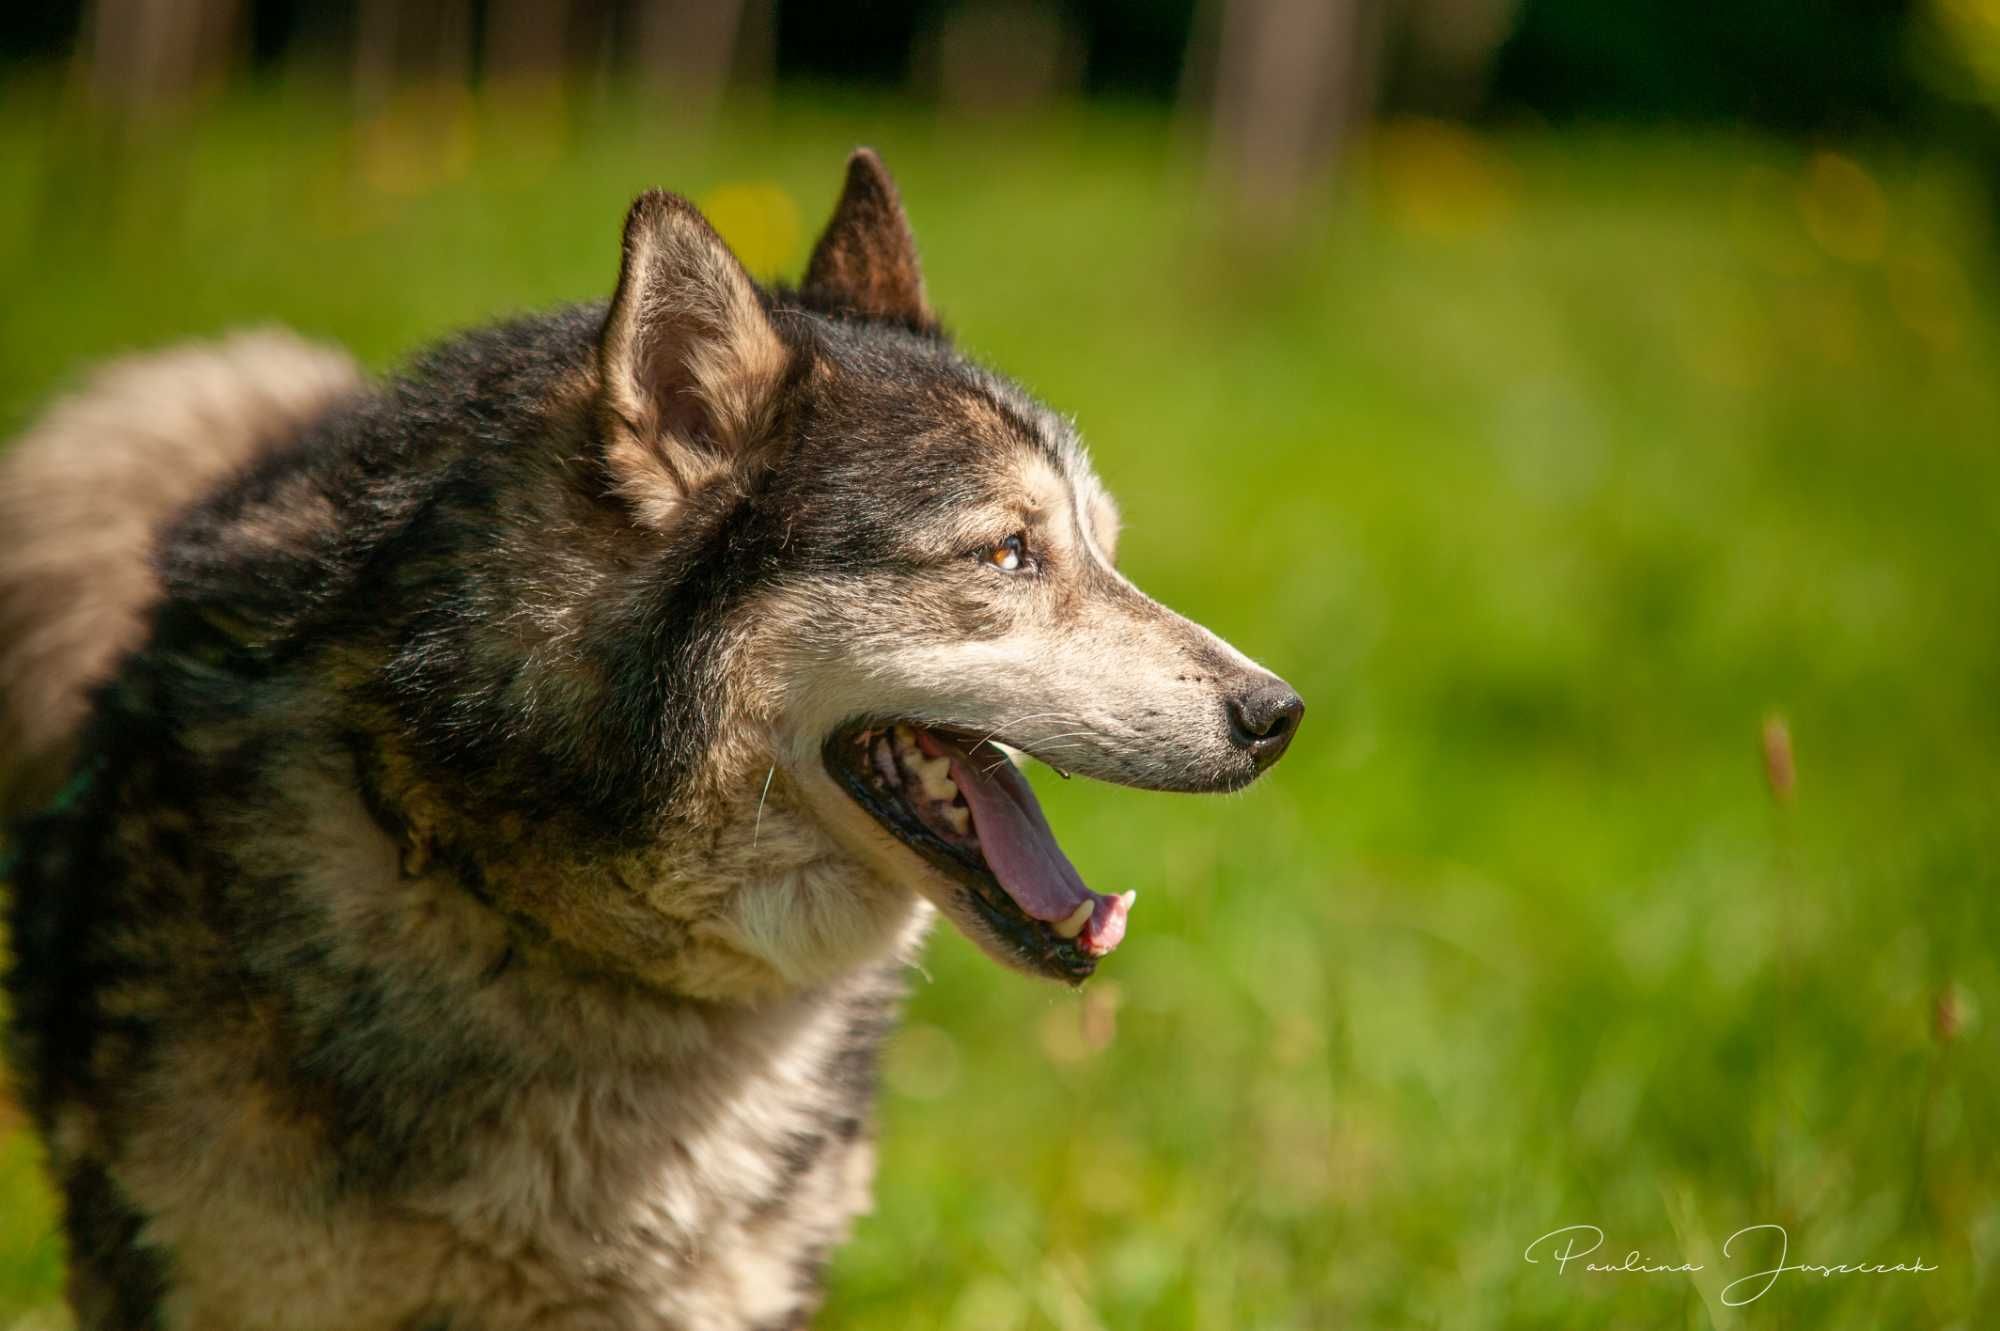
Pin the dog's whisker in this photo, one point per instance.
(1044, 740)
(1023, 720)
(990, 768)
(1063, 741)
(757, 829)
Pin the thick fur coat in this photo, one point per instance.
(449, 898)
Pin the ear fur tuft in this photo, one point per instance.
(689, 361)
(866, 259)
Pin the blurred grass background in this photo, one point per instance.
(1562, 472)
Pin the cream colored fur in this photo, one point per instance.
(81, 495)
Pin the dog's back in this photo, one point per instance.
(81, 495)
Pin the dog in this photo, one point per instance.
(483, 817)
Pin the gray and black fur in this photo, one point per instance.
(447, 920)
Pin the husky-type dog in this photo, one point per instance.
(478, 885)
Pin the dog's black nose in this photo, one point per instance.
(1263, 720)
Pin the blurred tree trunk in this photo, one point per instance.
(688, 49)
(1001, 55)
(526, 42)
(532, 53)
(139, 70)
(148, 59)
(412, 77)
(1293, 82)
(1448, 49)
(399, 43)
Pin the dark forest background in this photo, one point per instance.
(1795, 66)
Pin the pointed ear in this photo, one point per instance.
(690, 363)
(866, 260)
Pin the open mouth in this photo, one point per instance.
(961, 804)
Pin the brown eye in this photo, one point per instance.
(1010, 556)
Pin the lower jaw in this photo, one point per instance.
(1021, 941)
(1029, 943)
(1017, 939)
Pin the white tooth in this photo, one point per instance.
(885, 763)
(1073, 925)
(934, 775)
(959, 817)
(1129, 897)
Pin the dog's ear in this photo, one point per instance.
(866, 260)
(690, 363)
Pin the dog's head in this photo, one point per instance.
(922, 569)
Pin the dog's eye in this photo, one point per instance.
(1009, 556)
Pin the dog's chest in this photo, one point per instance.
(712, 1202)
(701, 1192)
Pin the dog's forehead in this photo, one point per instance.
(891, 392)
(1036, 466)
(1051, 459)
(1003, 415)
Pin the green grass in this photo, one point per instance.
(1547, 468)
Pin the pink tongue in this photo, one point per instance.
(1019, 847)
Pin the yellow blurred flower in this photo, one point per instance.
(1440, 178)
(759, 220)
(1844, 209)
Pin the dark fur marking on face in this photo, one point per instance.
(1025, 423)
